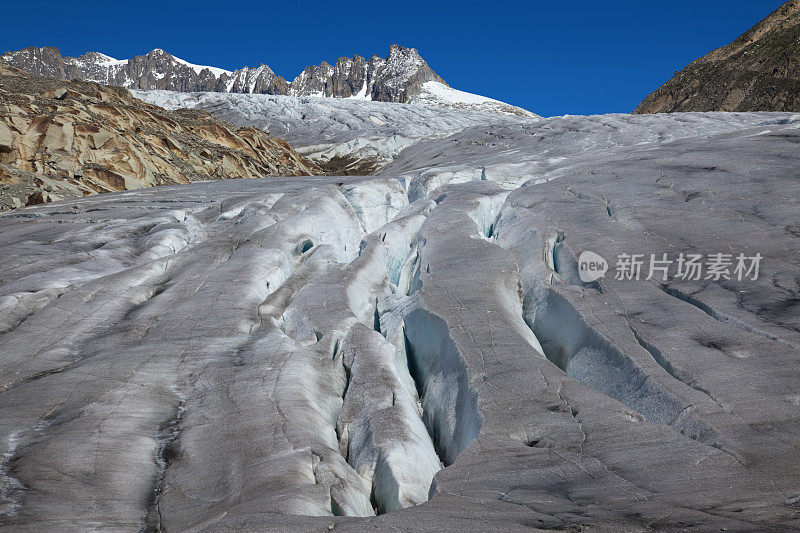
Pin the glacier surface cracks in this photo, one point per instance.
(412, 349)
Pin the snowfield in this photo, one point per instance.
(437, 94)
(413, 350)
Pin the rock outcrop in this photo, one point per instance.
(759, 71)
(259, 80)
(63, 140)
(401, 76)
(350, 75)
(398, 78)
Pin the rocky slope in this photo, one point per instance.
(416, 350)
(759, 71)
(402, 77)
(63, 140)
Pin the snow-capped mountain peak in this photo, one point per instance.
(402, 77)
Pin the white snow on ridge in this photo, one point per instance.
(217, 72)
(438, 94)
(444, 93)
(108, 61)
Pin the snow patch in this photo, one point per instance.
(217, 72)
(108, 61)
(438, 94)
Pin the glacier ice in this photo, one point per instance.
(412, 349)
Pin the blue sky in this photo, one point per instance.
(576, 57)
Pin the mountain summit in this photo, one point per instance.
(759, 71)
(402, 77)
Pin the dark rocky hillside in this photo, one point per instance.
(759, 71)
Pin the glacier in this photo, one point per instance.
(323, 128)
(413, 349)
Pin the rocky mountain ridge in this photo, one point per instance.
(402, 77)
(61, 140)
(759, 71)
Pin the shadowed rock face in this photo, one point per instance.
(350, 76)
(63, 140)
(759, 71)
(413, 350)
